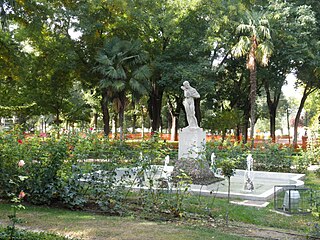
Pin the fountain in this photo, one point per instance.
(248, 176)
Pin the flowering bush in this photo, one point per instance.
(56, 166)
(16, 201)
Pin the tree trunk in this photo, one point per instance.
(121, 115)
(238, 133)
(272, 107)
(115, 125)
(272, 116)
(246, 125)
(134, 117)
(95, 120)
(174, 133)
(154, 106)
(197, 110)
(57, 120)
(105, 112)
(253, 94)
(307, 91)
(174, 113)
(229, 188)
(224, 134)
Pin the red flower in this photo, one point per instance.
(21, 195)
(20, 141)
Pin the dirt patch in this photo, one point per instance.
(252, 231)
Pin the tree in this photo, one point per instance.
(308, 76)
(301, 46)
(257, 47)
(123, 67)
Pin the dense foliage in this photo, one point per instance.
(64, 61)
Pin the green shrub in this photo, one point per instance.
(27, 235)
(268, 157)
(301, 162)
(317, 173)
(272, 157)
(55, 167)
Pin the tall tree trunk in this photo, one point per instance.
(307, 91)
(272, 116)
(134, 117)
(57, 120)
(174, 127)
(253, 93)
(238, 133)
(272, 107)
(246, 123)
(252, 66)
(174, 113)
(105, 112)
(154, 106)
(197, 110)
(115, 125)
(121, 115)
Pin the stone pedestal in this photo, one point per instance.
(191, 142)
(191, 157)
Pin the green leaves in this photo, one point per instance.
(242, 47)
(263, 52)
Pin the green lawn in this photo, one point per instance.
(85, 225)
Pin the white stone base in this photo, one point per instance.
(191, 142)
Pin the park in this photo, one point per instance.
(159, 119)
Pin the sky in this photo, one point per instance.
(288, 90)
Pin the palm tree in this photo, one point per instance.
(123, 67)
(255, 44)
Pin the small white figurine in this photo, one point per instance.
(166, 160)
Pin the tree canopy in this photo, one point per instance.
(136, 54)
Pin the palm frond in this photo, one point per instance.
(263, 52)
(105, 83)
(265, 32)
(110, 72)
(244, 28)
(118, 85)
(142, 73)
(103, 59)
(242, 47)
(136, 86)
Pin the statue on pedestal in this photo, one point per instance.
(192, 139)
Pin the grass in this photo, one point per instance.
(312, 181)
(264, 217)
(93, 226)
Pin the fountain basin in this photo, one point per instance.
(264, 183)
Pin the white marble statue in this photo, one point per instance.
(190, 94)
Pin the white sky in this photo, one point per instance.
(288, 90)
